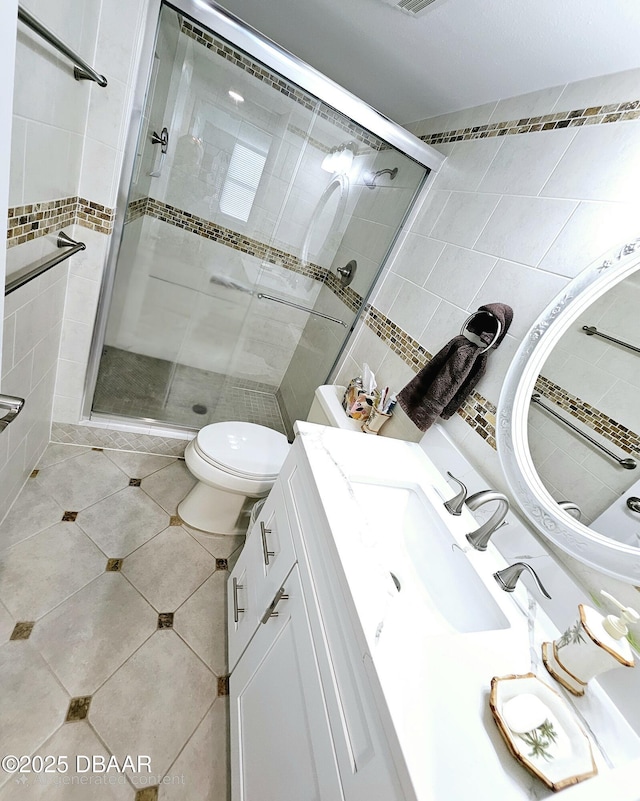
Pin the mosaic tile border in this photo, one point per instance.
(619, 435)
(594, 115)
(477, 411)
(272, 79)
(71, 434)
(233, 239)
(33, 220)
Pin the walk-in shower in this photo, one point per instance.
(249, 236)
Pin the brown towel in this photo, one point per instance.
(442, 386)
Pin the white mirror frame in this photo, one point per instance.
(599, 552)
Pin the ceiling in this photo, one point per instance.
(458, 53)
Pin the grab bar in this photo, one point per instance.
(14, 405)
(591, 330)
(628, 464)
(28, 273)
(302, 308)
(82, 71)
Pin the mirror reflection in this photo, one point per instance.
(584, 420)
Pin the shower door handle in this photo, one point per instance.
(14, 405)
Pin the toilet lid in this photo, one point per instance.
(243, 449)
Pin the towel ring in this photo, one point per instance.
(475, 314)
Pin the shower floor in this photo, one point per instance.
(133, 385)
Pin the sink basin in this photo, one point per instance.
(426, 563)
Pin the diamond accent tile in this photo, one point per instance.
(34, 473)
(147, 794)
(69, 517)
(223, 685)
(168, 568)
(78, 708)
(165, 620)
(22, 630)
(175, 520)
(114, 565)
(221, 564)
(135, 482)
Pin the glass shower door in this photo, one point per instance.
(248, 195)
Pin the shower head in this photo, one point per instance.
(370, 178)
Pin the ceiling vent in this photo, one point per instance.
(412, 7)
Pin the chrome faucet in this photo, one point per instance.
(455, 504)
(481, 536)
(508, 577)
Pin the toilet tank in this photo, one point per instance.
(327, 410)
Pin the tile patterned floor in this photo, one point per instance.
(112, 633)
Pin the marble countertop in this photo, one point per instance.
(433, 675)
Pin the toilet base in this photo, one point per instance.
(212, 510)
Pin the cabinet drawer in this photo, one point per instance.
(277, 555)
(265, 562)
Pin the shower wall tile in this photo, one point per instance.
(466, 171)
(588, 234)
(558, 193)
(538, 221)
(464, 217)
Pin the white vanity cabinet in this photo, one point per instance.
(303, 722)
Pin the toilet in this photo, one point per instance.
(236, 461)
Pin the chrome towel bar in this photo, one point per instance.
(628, 464)
(82, 71)
(591, 330)
(302, 308)
(14, 405)
(31, 271)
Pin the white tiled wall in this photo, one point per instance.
(509, 219)
(67, 141)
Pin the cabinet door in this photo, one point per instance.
(281, 747)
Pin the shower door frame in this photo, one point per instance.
(224, 24)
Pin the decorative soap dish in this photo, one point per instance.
(541, 731)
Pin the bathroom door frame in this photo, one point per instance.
(221, 22)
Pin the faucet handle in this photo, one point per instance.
(508, 577)
(454, 505)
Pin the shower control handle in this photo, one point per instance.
(236, 608)
(265, 548)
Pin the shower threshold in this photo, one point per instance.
(147, 390)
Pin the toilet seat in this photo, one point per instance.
(245, 450)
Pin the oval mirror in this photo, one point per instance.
(568, 430)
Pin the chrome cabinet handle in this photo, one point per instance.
(236, 608)
(271, 609)
(265, 548)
